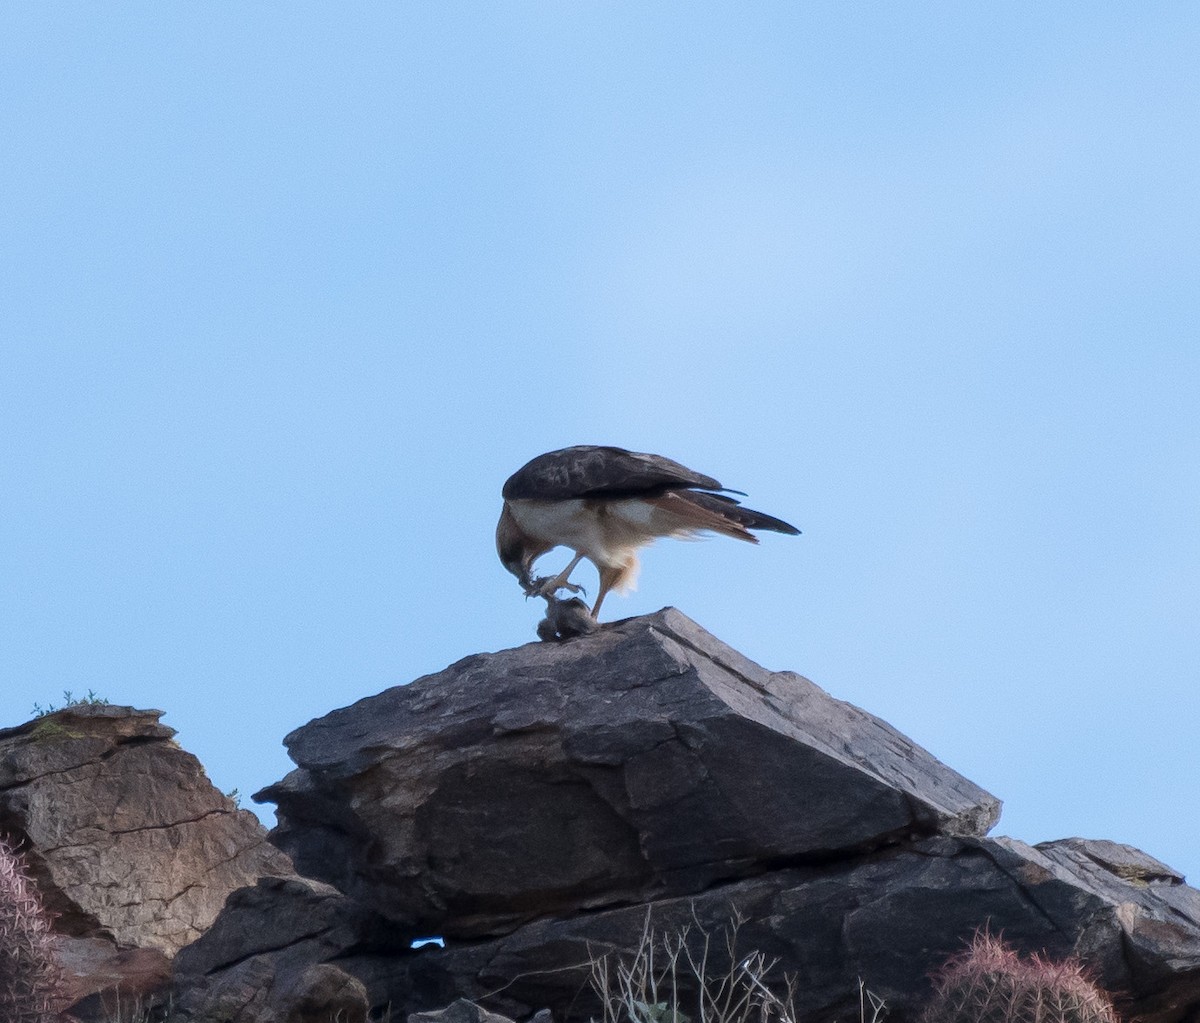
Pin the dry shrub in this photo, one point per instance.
(685, 977)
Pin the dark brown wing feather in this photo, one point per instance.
(728, 508)
(588, 470)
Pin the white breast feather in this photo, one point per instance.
(610, 540)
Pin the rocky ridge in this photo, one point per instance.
(541, 806)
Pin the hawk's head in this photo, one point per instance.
(517, 549)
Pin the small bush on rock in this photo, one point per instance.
(990, 983)
(29, 970)
(70, 700)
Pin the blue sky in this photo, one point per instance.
(289, 290)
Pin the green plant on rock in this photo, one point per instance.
(71, 700)
(990, 983)
(29, 970)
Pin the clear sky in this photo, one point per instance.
(288, 290)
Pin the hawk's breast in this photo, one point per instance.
(606, 531)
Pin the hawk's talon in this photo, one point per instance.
(547, 586)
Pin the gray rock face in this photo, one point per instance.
(458, 1011)
(541, 807)
(888, 917)
(259, 961)
(126, 838)
(309, 922)
(259, 991)
(98, 977)
(643, 761)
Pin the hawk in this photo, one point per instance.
(605, 504)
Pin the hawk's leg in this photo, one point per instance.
(604, 588)
(610, 577)
(549, 587)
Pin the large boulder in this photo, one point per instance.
(643, 761)
(131, 847)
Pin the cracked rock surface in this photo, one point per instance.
(128, 841)
(542, 806)
(888, 918)
(645, 760)
(270, 937)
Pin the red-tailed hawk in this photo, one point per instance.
(605, 504)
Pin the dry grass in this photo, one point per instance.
(687, 976)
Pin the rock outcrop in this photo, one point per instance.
(645, 761)
(132, 848)
(886, 918)
(542, 806)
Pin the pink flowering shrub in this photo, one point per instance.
(28, 964)
(990, 983)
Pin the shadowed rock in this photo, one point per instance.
(256, 963)
(888, 918)
(645, 760)
(460, 1011)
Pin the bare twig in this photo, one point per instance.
(672, 978)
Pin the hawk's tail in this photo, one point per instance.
(723, 514)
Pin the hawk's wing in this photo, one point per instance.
(595, 471)
(728, 508)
